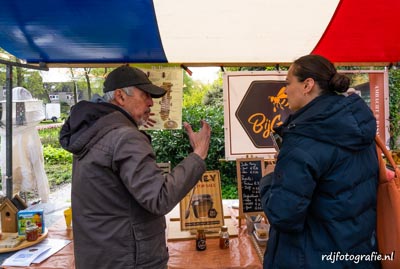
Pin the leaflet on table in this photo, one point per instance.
(54, 244)
(25, 256)
(37, 253)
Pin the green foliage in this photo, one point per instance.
(49, 137)
(65, 109)
(193, 91)
(194, 96)
(30, 80)
(173, 145)
(57, 162)
(215, 95)
(59, 174)
(56, 155)
(394, 107)
(230, 191)
(33, 83)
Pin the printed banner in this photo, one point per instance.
(202, 207)
(167, 109)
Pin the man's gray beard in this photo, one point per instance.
(141, 122)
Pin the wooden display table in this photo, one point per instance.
(63, 259)
(10, 238)
(241, 253)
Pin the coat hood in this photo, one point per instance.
(89, 120)
(346, 122)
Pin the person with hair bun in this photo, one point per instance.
(321, 204)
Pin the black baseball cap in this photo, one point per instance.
(125, 76)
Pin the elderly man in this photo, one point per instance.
(119, 194)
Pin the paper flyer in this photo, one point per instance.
(55, 246)
(25, 256)
(37, 253)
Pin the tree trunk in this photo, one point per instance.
(89, 89)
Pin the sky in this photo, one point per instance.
(204, 74)
(56, 75)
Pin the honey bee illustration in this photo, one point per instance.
(166, 101)
(280, 100)
(166, 104)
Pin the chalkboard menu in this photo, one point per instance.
(249, 172)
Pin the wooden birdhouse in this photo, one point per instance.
(8, 212)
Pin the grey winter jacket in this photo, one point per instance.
(119, 194)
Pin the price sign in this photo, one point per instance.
(250, 172)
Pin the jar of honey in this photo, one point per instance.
(201, 240)
(32, 233)
(224, 238)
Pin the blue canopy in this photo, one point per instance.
(81, 31)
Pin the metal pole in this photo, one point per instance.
(30, 66)
(9, 154)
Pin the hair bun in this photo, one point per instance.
(339, 82)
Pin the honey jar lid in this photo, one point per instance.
(31, 228)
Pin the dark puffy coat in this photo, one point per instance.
(119, 194)
(323, 194)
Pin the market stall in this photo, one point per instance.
(244, 250)
(43, 34)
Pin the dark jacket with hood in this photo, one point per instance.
(119, 194)
(322, 201)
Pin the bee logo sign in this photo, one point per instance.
(263, 108)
